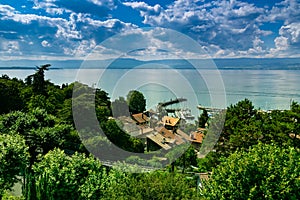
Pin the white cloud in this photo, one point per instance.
(45, 43)
(145, 8)
(107, 3)
(62, 35)
(281, 43)
(223, 28)
(6, 10)
(81, 50)
(227, 24)
(287, 11)
(228, 28)
(50, 7)
(151, 14)
(10, 47)
(9, 13)
(291, 32)
(287, 44)
(145, 44)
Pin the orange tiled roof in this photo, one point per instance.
(170, 121)
(196, 137)
(165, 132)
(168, 134)
(159, 139)
(140, 118)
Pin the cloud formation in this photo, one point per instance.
(235, 28)
(227, 28)
(55, 35)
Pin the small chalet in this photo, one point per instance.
(164, 138)
(156, 141)
(170, 123)
(197, 136)
(140, 118)
(172, 137)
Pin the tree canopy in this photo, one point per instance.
(266, 171)
(14, 158)
(255, 157)
(59, 176)
(136, 102)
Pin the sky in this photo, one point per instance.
(72, 29)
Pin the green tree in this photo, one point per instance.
(154, 185)
(120, 107)
(264, 172)
(38, 82)
(120, 138)
(183, 156)
(59, 176)
(10, 90)
(65, 113)
(295, 110)
(203, 119)
(241, 129)
(40, 130)
(136, 102)
(85, 102)
(14, 159)
(188, 159)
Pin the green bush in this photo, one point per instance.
(264, 172)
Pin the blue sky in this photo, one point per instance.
(68, 29)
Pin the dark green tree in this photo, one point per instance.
(59, 176)
(264, 172)
(120, 107)
(10, 93)
(240, 129)
(136, 102)
(40, 130)
(38, 82)
(86, 102)
(188, 159)
(14, 158)
(120, 138)
(155, 185)
(203, 119)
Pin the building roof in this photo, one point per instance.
(140, 118)
(202, 130)
(197, 137)
(165, 132)
(169, 135)
(144, 131)
(183, 135)
(159, 140)
(170, 121)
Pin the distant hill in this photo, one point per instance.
(128, 63)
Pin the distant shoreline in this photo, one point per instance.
(25, 68)
(129, 63)
(176, 68)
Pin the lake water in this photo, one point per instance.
(267, 89)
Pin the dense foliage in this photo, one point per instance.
(246, 126)
(264, 172)
(155, 185)
(13, 160)
(136, 102)
(256, 156)
(59, 176)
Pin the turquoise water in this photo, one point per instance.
(267, 89)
